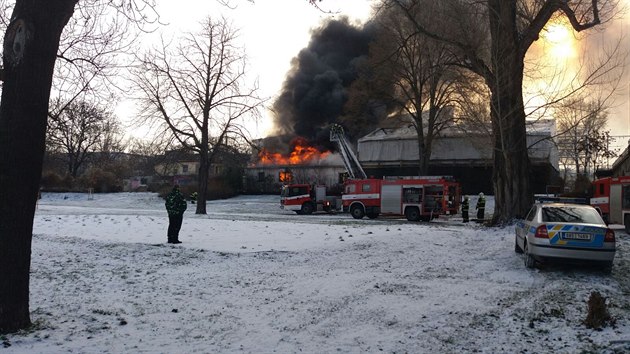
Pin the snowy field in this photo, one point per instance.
(250, 277)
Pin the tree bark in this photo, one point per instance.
(30, 48)
(512, 192)
(202, 181)
(423, 158)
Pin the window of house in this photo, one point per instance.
(184, 168)
(285, 176)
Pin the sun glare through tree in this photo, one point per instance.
(560, 41)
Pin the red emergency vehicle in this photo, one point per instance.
(417, 198)
(306, 199)
(611, 196)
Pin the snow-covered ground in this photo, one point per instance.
(251, 277)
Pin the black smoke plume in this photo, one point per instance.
(315, 90)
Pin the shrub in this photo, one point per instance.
(597, 316)
(53, 182)
(101, 181)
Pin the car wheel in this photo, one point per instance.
(307, 208)
(517, 248)
(357, 211)
(530, 262)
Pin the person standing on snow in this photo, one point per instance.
(175, 206)
(481, 206)
(465, 207)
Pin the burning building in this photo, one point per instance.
(302, 162)
(311, 99)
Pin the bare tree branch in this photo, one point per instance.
(196, 91)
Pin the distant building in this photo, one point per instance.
(465, 155)
(392, 150)
(182, 168)
(182, 172)
(264, 177)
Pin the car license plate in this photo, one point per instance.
(576, 236)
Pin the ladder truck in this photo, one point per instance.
(416, 198)
(350, 160)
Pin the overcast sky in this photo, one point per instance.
(272, 32)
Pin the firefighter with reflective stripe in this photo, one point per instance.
(481, 206)
(465, 207)
(175, 206)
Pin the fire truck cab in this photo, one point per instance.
(417, 198)
(611, 197)
(305, 199)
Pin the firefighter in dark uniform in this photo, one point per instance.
(465, 207)
(481, 207)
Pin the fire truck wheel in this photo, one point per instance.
(412, 214)
(307, 208)
(357, 211)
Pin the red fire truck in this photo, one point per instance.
(611, 196)
(417, 198)
(306, 199)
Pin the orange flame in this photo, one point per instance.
(302, 153)
(285, 176)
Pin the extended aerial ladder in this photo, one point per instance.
(350, 160)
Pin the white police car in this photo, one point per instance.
(564, 231)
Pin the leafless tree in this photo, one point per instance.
(92, 52)
(30, 50)
(425, 85)
(80, 130)
(147, 154)
(197, 92)
(492, 40)
(91, 55)
(582, 136)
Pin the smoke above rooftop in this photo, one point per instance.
(315, 89)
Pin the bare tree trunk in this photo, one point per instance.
(204, 163)
(423, 165)
(202, 181)
(30, 48)
(511, 162)
(423, 160)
